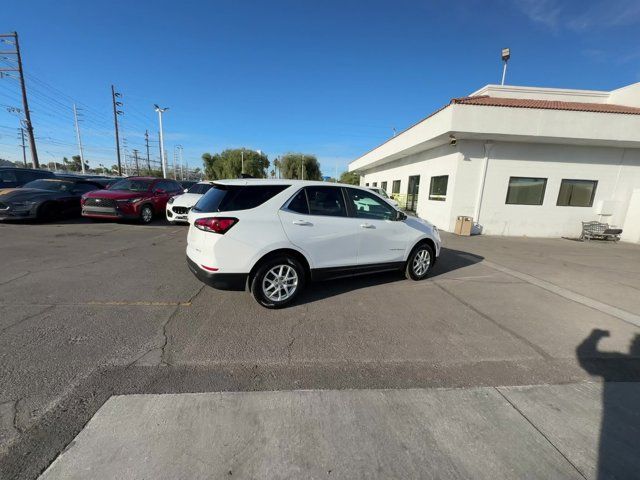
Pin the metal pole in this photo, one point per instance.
(135, 156)
(504, 72)
(302, 165)
(146, 141)
(24, 149)
(162, 155)
(75, 117)
(115, 121)
(25, 105)
(242, 160)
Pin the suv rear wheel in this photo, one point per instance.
(278, 281)
(419, 262)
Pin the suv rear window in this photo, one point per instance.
(227, 198)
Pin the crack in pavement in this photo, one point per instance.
(28, 317)
(22, 275)
(531, 345)
(156, 356)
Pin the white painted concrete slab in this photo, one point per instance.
(431, 434)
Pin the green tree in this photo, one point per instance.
(291, 166)
(74, 165)
(352, 178)
(228, 164)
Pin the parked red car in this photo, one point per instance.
(134, 198)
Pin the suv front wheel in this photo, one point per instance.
(419, 262)
(278, 281)
(146, 214)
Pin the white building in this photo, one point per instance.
(520, 161)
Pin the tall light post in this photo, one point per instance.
(162, 157)
(506, 55)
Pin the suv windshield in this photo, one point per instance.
(131, 185)
(227, 198)
(200, 188)
(51, 184)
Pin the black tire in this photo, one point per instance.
(415, 269)
(258, 283)
(146, 214)
(47, 212)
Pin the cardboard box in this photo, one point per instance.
(463, 226)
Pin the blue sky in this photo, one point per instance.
(331, 78)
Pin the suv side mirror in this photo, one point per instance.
(159, 191)
(400, 216)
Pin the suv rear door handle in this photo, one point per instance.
(302, 223)
(366, 225)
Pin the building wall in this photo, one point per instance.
(442, 160)
(617, 171)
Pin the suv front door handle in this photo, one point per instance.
(366, 225)
(302, 223)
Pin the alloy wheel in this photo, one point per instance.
(421, 262)
(280, 283)
(147, 215)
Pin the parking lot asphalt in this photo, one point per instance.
(91, 310)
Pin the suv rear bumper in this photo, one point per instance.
(220, 281)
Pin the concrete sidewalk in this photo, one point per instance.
(549, 431)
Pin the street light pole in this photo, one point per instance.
(162, 157)
(506, 55)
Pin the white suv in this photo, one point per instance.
(178, 207)
(275, 235)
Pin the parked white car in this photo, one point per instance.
(178, 207)
(273, 236)
(384, 195)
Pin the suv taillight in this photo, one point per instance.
(215, 224)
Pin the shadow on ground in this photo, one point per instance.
(619, 441)
(448, 261)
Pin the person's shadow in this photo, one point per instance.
(619, 442)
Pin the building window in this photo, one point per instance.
(375, 184)
(366, 184)
(577, 193)
(438, 188)
(526, 191)
(395, 187)
(383, 186)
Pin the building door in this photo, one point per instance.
(412, 192)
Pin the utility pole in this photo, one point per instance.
(116, 112)
(242, 161)
(135, 156)
(146, 142)
(23, 88)
(24, 152)
(162, 158)
(175, 160)
(75, 117)
(302, 165)
(180, 148)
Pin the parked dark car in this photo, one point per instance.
(12, 177)
(45, 199)
(134, 198)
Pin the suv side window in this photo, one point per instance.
(299, 203)
(175, 187)
(163, 185)
(326, 201)
(367, 205)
